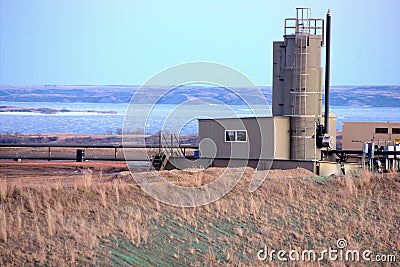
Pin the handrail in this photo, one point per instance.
(182, 152)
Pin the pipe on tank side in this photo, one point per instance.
(327, 68)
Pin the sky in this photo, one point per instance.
(125, 42)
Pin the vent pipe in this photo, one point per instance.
(327, 68)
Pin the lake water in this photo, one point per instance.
(166, 116)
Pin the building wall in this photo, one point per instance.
(354, 133)
(267, 138)
(279, 93)
(282, 137)
(212, 138)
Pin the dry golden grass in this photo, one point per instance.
(111, 221)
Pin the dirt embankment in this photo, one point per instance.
(89, 214)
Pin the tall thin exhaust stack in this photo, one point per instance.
(327, 68)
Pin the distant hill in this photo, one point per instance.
(67, 94)
(375, 96)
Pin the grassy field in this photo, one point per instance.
(97, 215)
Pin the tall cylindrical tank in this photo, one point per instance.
(297, 81)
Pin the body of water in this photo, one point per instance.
(162, 116)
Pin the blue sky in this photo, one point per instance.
(96, 42)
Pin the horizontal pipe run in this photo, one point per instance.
(29, 157)
(95, 146)
(360, 152)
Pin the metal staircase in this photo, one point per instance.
(159, 161)
(169, 147)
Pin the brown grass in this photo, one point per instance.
(111, 221)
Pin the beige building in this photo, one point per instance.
(255, 138)
(382, 133)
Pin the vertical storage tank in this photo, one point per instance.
(297, 81)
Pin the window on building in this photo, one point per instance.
(381, 130)
(395, 130)
(241, 136)
(235, 136)
(230, 136)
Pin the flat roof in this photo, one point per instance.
(372, 122)
(236, 118)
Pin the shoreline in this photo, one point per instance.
(18, 109)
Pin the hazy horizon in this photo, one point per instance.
(138, 85)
